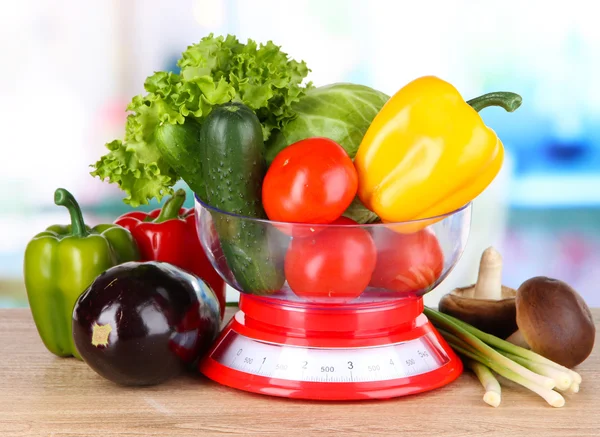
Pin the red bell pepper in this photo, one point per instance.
(170, 235)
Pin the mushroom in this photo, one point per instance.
(488, 305)
(554, 321)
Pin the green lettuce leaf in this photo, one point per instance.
(137, 170)
(342, 112)
(214, 71)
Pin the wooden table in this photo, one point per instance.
(41, 395)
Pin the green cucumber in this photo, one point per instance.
(233, 168)
(179, 145)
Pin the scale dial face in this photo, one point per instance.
(330, 365)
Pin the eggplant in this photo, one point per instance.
(142, 323)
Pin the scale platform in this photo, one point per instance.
(374, 350)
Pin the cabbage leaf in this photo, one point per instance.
(342, 112)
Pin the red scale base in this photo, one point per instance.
(358, 328)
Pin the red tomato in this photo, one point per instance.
(311, 181)
(299, 230)
(303, 231)
(334, 264)
(406, 262)
(344, 221)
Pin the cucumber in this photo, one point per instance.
(233, 168)
(179, 145)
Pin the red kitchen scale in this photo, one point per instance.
(374, 350)
(378, 345)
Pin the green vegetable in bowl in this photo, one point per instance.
(231, 145)
(214, 71)
(358, 212)
(342, 112)
(179, 146)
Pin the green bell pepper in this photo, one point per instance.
(61, 262)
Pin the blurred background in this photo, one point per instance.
(69, 68)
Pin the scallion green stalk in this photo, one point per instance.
(493, 392)
(550, 396)
(506, 346)
(573, 389)
(440, 320)
(562, 379)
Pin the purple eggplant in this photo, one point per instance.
(141, 323)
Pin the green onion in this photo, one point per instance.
(493, 392)
(486, 351)
(506, 346)
(553, 398)
(562, 379)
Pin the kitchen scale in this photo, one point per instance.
(375, 350)
(378, 346)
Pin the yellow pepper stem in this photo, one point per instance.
(509, 101)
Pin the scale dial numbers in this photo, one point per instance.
(330, 365)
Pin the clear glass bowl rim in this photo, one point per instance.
(299, 225)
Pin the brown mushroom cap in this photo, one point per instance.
(496, 317)
(555, 320)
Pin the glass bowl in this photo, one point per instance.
(336, 263)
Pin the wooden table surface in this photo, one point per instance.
(42, 395)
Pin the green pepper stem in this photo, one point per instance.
(509, 101)
(170, 209)
(63, 198)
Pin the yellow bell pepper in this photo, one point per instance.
(428, 152)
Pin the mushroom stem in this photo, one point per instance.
(489, 280)
(493, 392)
(517, 339)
